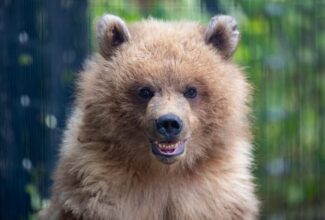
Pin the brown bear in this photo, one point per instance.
(160, 128)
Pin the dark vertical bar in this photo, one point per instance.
(42, 45)
(22, 91)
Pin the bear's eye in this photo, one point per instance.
(145, 93)
(190, 93)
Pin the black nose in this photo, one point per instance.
(169, 125)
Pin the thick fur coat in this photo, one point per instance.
(119, 162)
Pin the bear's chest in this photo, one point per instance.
(167, 202)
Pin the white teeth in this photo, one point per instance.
(167, 146)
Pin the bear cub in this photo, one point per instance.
(160, 128)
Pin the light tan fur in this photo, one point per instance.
(106, 169)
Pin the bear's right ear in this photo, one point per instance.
(111, 32)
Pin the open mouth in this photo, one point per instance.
(168, 149)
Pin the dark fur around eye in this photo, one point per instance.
(145, 93)
(190, 92)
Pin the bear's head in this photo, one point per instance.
(164, 90)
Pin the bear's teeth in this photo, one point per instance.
(167, 146)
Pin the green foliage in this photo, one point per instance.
(25, 59)
(35, 199)
(32, 189)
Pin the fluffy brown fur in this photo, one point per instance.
(106, 168)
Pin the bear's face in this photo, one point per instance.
(164, 89)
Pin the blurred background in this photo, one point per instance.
(43, 44)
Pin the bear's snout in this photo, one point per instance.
(169, 125)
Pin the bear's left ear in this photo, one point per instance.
(223, 34)
(111, 32)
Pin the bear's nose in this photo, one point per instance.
(169, 125)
